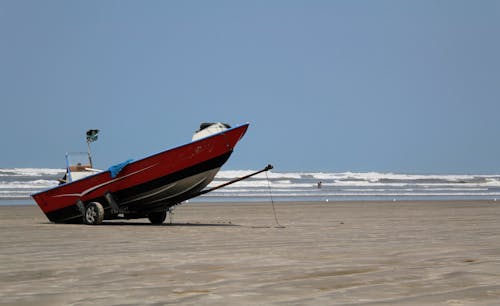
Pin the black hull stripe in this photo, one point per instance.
(72, 214)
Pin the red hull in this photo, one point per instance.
(167, 167)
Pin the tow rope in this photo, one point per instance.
(272, 203)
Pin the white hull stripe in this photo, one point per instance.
(103, 184)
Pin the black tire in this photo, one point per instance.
(157, 217)
(94, 214)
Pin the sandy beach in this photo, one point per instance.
(362, 253)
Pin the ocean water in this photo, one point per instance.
(17, 184)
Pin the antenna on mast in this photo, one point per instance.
(91, 137)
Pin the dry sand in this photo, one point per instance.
(363, 253)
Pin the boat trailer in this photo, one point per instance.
(93, 213)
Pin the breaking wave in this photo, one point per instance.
(20, 183)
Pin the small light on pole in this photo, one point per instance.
(91, 137)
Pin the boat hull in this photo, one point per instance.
(155, 183)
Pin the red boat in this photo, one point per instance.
(145, 188)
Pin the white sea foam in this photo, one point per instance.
(30, 171)
(370, 185)
(36, 184)
(376, 176)
(264, 184)
(354, 194)
(231, 174)
(21, 182)
(357, 176)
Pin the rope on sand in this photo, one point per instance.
(272, 203)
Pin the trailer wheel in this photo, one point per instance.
(94, 214)
(157, 217)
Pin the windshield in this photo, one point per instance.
(77, 161)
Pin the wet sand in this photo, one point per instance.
(363, 253)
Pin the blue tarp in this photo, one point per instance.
(115, 170)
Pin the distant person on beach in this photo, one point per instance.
(320, 184)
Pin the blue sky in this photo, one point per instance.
(399, 86)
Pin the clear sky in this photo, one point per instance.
(396, 86)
